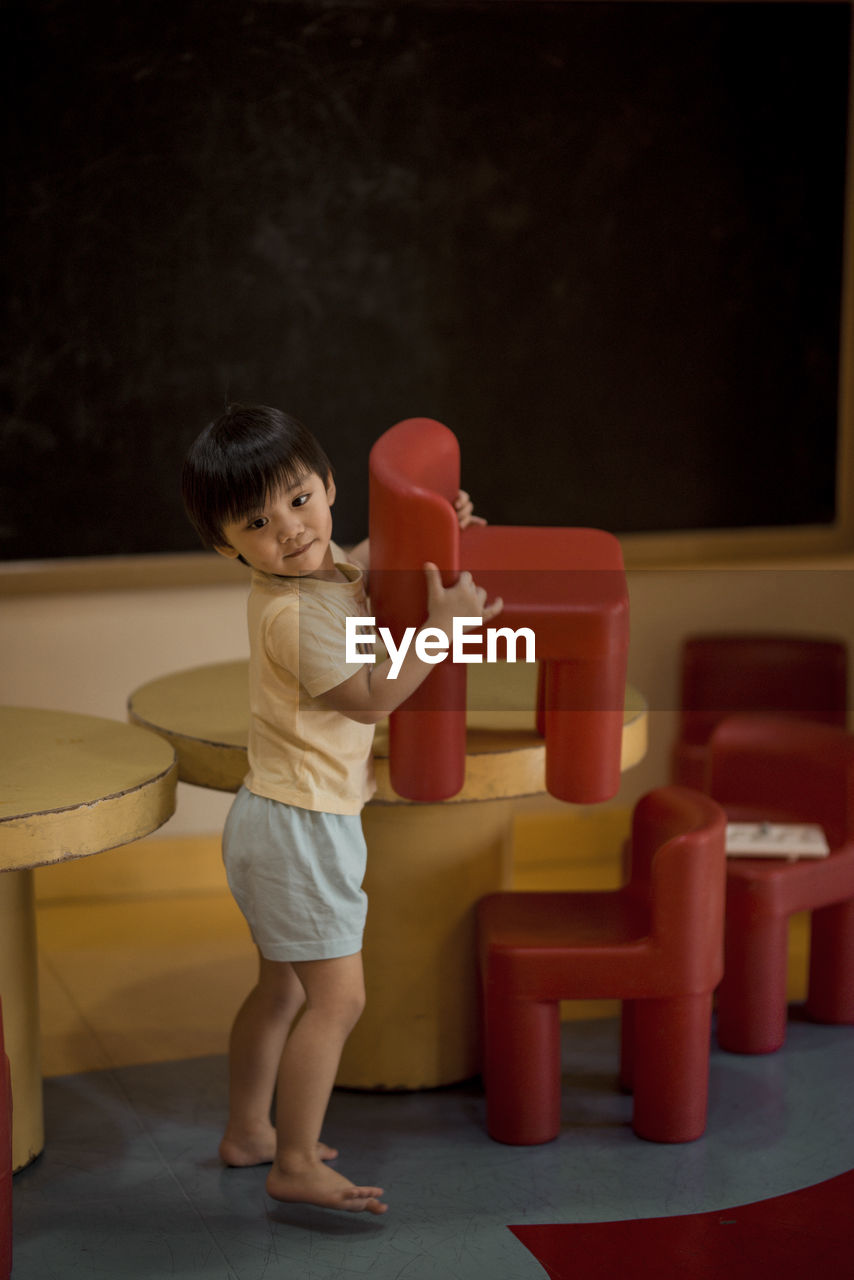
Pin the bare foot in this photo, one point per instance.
(317, 1184)
(240, 1150)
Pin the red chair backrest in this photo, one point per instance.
(418, 453)
(414, 472)
(679, 862)
(800, 677)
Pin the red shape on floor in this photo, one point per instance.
(806, 1232)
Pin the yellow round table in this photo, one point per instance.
(70, 785)
(428, 864)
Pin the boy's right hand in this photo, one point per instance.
(465, 599)
(373, 692)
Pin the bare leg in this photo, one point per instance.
(258, 1037)
(335, 997)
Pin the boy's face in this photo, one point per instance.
(290, 534)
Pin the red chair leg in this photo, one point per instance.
(584, 728)
(542, 675)
(831, 980)
(627, 1045)
(427, 738)
(522, 1070)
(752, 995)
(671, 1068)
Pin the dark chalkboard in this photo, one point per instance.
(601, 241)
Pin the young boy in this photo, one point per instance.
(259, 488)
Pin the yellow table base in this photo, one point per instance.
(20, 994)
(427, 867)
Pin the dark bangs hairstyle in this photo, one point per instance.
(239, 460)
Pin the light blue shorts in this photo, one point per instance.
(297, 877)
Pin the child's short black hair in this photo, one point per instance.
(242, 457)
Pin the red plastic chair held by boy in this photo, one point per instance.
(567, 585)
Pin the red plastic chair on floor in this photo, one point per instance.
(785, 771)
(656, 944)
(567, 585)
(800, 677)
(5, 1161)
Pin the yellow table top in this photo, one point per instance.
(72, 785)
(204, 714)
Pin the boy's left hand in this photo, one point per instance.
(465, 510)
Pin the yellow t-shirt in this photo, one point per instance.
(301, 752)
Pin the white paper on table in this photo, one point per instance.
(775, 840)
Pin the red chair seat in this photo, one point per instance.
(773, 887)
(541, 944)
(567, 584)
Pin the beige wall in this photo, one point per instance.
(87, 652)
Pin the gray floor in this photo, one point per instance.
(130, 1186)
